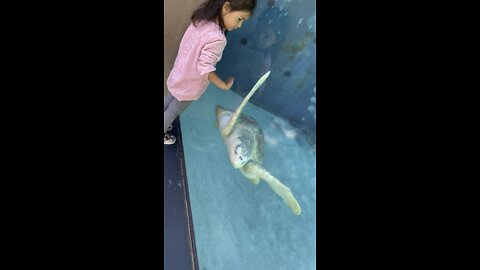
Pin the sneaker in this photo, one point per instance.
(169, 139)
(169, 128)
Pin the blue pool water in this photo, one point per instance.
(238, 225)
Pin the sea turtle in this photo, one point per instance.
(244, 141)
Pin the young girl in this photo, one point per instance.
(200, 50)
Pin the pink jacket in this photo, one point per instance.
(200, 50)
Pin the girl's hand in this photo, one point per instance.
(229, 83)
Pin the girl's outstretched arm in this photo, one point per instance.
(213, 78)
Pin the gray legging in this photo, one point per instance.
(171, 109)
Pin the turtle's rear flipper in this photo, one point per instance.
(277, 186)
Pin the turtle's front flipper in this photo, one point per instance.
(229, 127)
(253, 178)
(253, 167)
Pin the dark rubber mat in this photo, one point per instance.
(179, 244)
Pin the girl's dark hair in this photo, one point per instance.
(211, 8)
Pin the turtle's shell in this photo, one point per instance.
(252, 136)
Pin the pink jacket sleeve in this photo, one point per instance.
(211, 53)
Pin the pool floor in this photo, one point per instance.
(239, 225)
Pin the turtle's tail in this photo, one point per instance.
(275, 184)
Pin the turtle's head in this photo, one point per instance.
(240, 151)
(238, 155)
